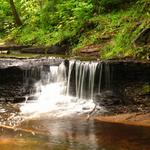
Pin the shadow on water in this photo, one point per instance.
(74, 134)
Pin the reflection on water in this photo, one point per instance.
(73, 134)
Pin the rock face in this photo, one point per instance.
(130, 88)
(107, 98)
(33, 50)
(44, 50)
(122, 82)
(12, 47)
(17, 77)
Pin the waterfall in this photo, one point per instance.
(71, 63)
(30, 77)
(92, 70)
(100, 77)
(84, 79)
(68, 89)
(107, 76)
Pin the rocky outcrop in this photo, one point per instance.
(122, 83)
(44, 50)
(18, 76)
(13, 47)
(33, 50)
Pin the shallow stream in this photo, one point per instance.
(54, 119)
(44, 133)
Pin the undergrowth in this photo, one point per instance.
(111, 24)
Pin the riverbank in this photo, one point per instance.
(136, 119)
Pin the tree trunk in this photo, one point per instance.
(15, 13)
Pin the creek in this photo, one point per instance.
(58, 95)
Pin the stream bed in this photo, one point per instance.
(45, 105)
(67, 133)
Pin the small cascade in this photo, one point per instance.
(30, 77)
(53, 82)
(84, 79)
(100, 77)
(107, 76)
(51, 90)
(71, 63)
(69, 90)
(92, 71)
(88, 78)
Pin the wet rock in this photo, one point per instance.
(34, 50)
(44, 50)
(26, 64)
(107, 98)
(18, 77)
(19, 99)
(10, 99)
(56, 50)
(46, 68)
(30, 98)
(12, 47)
(2, 99)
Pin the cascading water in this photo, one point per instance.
(65, 91)
(84, 78)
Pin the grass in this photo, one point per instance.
(116, 32)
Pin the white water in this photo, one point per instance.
(53, 91)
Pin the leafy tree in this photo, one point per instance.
(15, 13)
(6, 19)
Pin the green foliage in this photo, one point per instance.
(52, 21)
(108, 4)
(105, 6)
(79, 23)
(6, 20)
(144, 5)
(146, 88)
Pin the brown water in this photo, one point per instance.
(71, 133)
